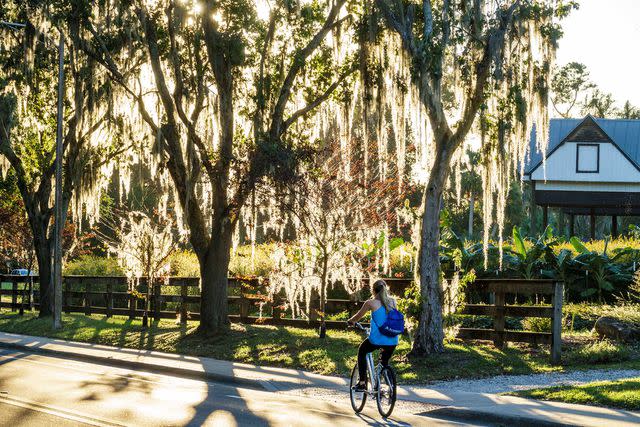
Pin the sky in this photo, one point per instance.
(605, 36)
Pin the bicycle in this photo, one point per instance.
(380, 385)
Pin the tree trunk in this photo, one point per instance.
(471, 208)
(430, 334)
(44, 254)
(214, 267)
(323, 295)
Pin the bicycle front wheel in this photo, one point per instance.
(358, 398)
(386, 392)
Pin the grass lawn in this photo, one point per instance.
(623, 394)
(301, 348)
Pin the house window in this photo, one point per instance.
(588, 158)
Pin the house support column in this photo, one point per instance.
(532, 210)
(593, 224)
(545, 217)
(572, 220)
(614, 226)
(561, 224)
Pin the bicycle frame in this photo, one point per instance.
(374, 378)
(373, 373)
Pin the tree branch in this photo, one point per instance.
(205, 154)
(299, 61)
(316, 102)
(428, 21)
(493, 53)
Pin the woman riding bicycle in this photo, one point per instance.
(380, 304)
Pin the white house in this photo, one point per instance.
(591, 168)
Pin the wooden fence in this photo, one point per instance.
(249, 303)
(499, 291)
(178, 297)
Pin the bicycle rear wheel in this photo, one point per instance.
(386, 392)
(358, 398)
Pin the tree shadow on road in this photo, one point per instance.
(210, 412)
(110, 384)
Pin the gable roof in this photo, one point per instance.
(623, 133)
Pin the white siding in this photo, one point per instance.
(561, 166)
(588, 186)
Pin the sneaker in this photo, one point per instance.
(360, 387)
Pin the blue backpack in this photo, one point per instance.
(394, 325)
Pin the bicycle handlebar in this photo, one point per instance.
(357, 325)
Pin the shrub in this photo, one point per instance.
(400, 261)
(90, 265)
(536, 324)
(598, 353)
(241, 263)
(411, 304)
(341, 316)
(184, 264)
(583, 316)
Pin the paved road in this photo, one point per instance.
(42, 390)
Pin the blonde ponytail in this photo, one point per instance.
(380, 290)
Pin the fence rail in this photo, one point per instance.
(249, 303)
(248, 299)
(498, 289)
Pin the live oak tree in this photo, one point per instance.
(226, 95)
(569, 86)
(629, 111)
(599, 104)
(572, 89)
(497, 57)
(28, 80)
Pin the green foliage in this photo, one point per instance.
(342, 316)
(596, 270)
(411, 304)
(623, 394)
(243, 264)
(603, 275)
(526, 262)
(583, 316)
(632, 294)
(184, 264)
(536, 324)
(568, 84)
(598, 352)
(90, 265)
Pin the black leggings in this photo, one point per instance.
(367, 347)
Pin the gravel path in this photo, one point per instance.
(505, 383)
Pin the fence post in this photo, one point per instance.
(109, 298)
(277, 307)
(183, 304)
(498, 320)
(314, 306)
(556, 337)
(132, 306)
(244, 307)
(157, 302)
(66, 296)
(22, 292)
(14, 295)
(31, 308)
(87, 298)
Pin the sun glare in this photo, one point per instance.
(263, 9)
